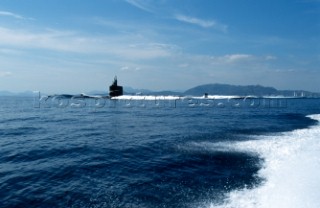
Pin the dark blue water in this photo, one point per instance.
(133, 157)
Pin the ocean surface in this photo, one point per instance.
(255, 153)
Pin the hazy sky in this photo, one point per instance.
(73, 46)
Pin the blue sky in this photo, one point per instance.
(59, 46)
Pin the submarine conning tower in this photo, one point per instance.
(114, 89)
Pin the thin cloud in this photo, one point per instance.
(237, 58)
(196, 21)
(5, 73)
(269, 57)
(183, 65)
(13, 15)
(124, 68)
(6, 51)
(141, 4)
(124, 46)
(243, 59)
(201, 22)
(127, 68)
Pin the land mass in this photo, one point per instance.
(254, 90)
(225, 89)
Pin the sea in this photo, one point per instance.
(186, 152)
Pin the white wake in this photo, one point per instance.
(291, 171)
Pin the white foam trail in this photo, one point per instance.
(168, 97)
(291, 171)
(146, 97)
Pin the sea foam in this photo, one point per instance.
(290, 171)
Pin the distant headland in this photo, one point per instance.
(247, 90)
(229, 90)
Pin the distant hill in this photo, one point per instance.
(255, 90)
(20, 94)
(130, 90)
(167, 93)
(224, 89)
(6, 93)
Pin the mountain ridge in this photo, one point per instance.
(246, 90)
